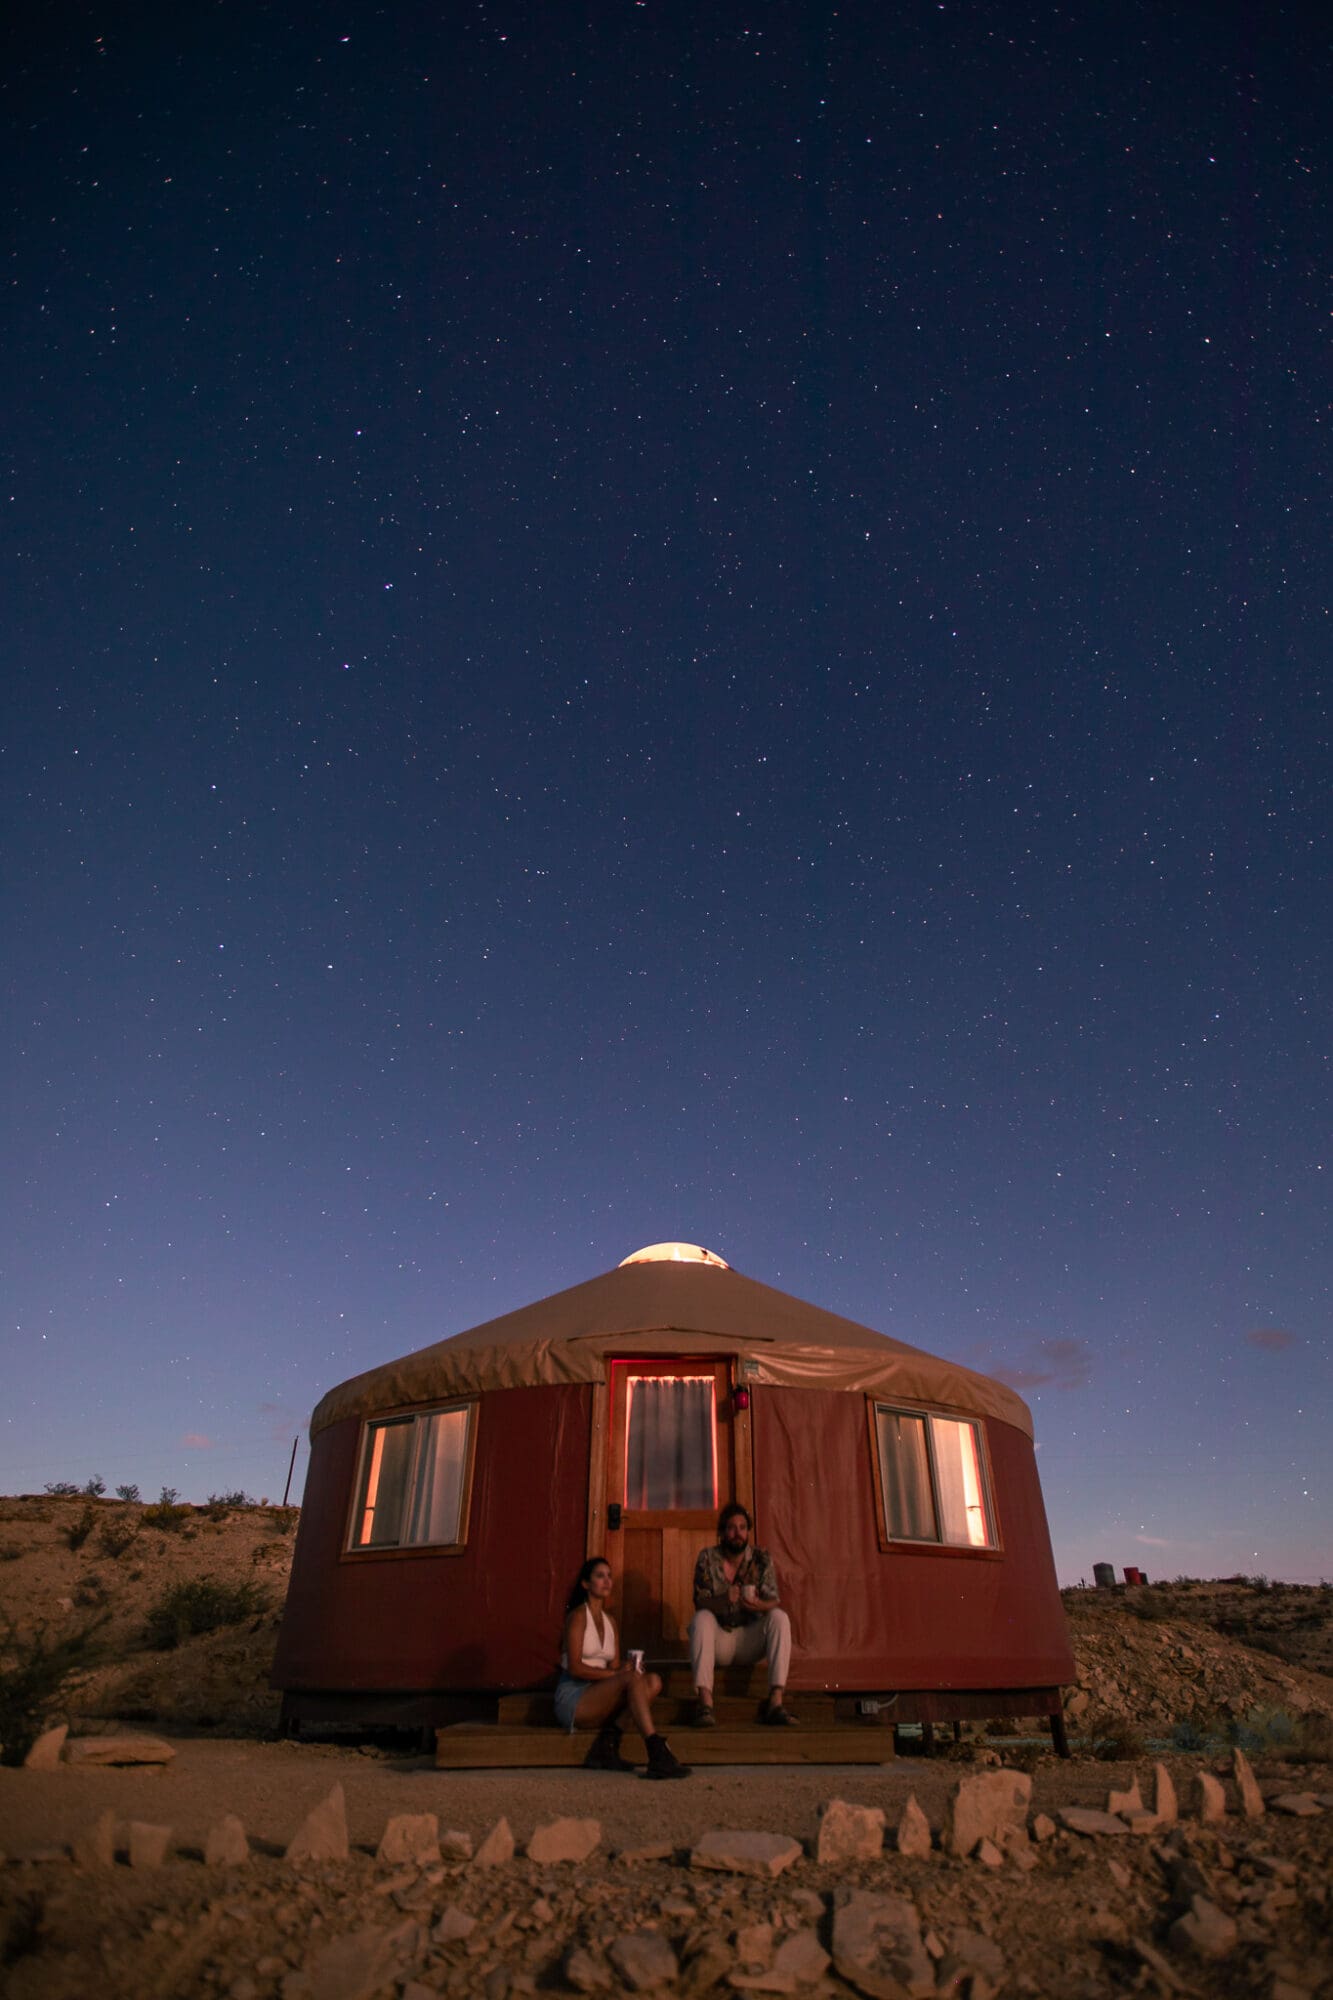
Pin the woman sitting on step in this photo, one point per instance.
(594, 1688)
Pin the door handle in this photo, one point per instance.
(613, 1514)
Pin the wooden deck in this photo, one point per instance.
(831, 1728)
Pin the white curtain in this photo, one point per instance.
(389, 1455)
(669, 1461)
(438, 1487)
(958, 1470)
(909, 1511)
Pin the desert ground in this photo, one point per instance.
(841, 1898)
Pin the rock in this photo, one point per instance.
(849, 1833)
(1303, 1805)
(93, 1752)
(988, 1854)
(225, 1845)
(1087, 1820)
(1204, 1929)
(912, 1834)
(354, 1967)
(1207, 1798)
(410, 1837)
(654, 1850)
(753, 1946)
(587, 1971)
(148, 1844)
(322, 1834)
(1251, 1798)
(970, 1951)
(762, 1854)
(497, 1848)
(877, 1947)
(801, 1957)
(1043, 1827)
(1119, 1875)
(1125, 1802)
(96, 1848)
(565, 1840)
(45, 1752)
(455, 1846)
(454, 1925)
(644, 1960)
(982, 1807)
(768, 1981)
(1164, 1796)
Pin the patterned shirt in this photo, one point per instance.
(711, 1580)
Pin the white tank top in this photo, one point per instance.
(596, 1652)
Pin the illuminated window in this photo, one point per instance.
(670, 1457)
(412, 1492)
(932, 1480)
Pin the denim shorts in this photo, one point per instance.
(569, 1692)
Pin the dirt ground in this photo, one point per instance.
(1070, 1915)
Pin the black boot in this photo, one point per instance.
(661, 1762)
(605, 1752)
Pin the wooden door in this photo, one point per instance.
(676, 1450)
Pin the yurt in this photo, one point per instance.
(452, 1495)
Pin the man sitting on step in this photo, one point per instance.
(737, 1617)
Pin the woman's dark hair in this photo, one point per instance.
(729, 1513)
(578, 1590)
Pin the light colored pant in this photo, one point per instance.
(711, 1646)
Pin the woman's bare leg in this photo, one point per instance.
(640, 1694)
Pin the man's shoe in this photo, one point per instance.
(604, 1755)
(703, 1717)
(779, 1717)
(662, 1762)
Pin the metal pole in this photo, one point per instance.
(290, 1468)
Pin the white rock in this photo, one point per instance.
(849, 1833)
(644, 1960)
(982, 1807)
(225, 1845)
(148, 1844)
(1204, 1929)
(586, 1971)
(988, 1854)
(92, 1752)
(801, 1957)
(45, 1752)
(1208, 1798)
(762, 1854)
(1125, 1802)
(96, 1847)
(410, 1837)
(455, 1846)
(1251, 1798)
(1303, 1805)
(454, 1925)
(322, 1834)
(497, 1848)
(565, 1840)
(877, 1947)
(1087, 1820)
(912, 1833)
(1164, 1802)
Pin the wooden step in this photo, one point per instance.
(816, 1711)
(485, 1746)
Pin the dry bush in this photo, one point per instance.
(32, 1672)
(201, 1605)
(119, 1533)
(1113, 1738)
(79, 1529)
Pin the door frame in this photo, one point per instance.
(742, 1443)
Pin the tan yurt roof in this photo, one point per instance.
(671, 1304)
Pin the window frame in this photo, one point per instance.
(352, 1551)
(991, 1551)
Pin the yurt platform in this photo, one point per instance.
(830, 1728)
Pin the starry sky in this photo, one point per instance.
(633, 621)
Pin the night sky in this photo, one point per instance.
(639, 621)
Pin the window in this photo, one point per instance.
(412, 1492)
(670, 1456)
(932, 1480)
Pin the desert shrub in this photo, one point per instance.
(63, 1489)
(1198, 1733)
(119, 1534)
(130, 1493)
(219, 1504)
(165, 1513)
(1002, 1725)
(204, 1604)
(94, 1487)
(1314, 1738)
(1150, 1605)
(91, 1590)
(285, 1519)
(32, 1672)
(1113, 1738)
(1263, 1729)
(78, 1531)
